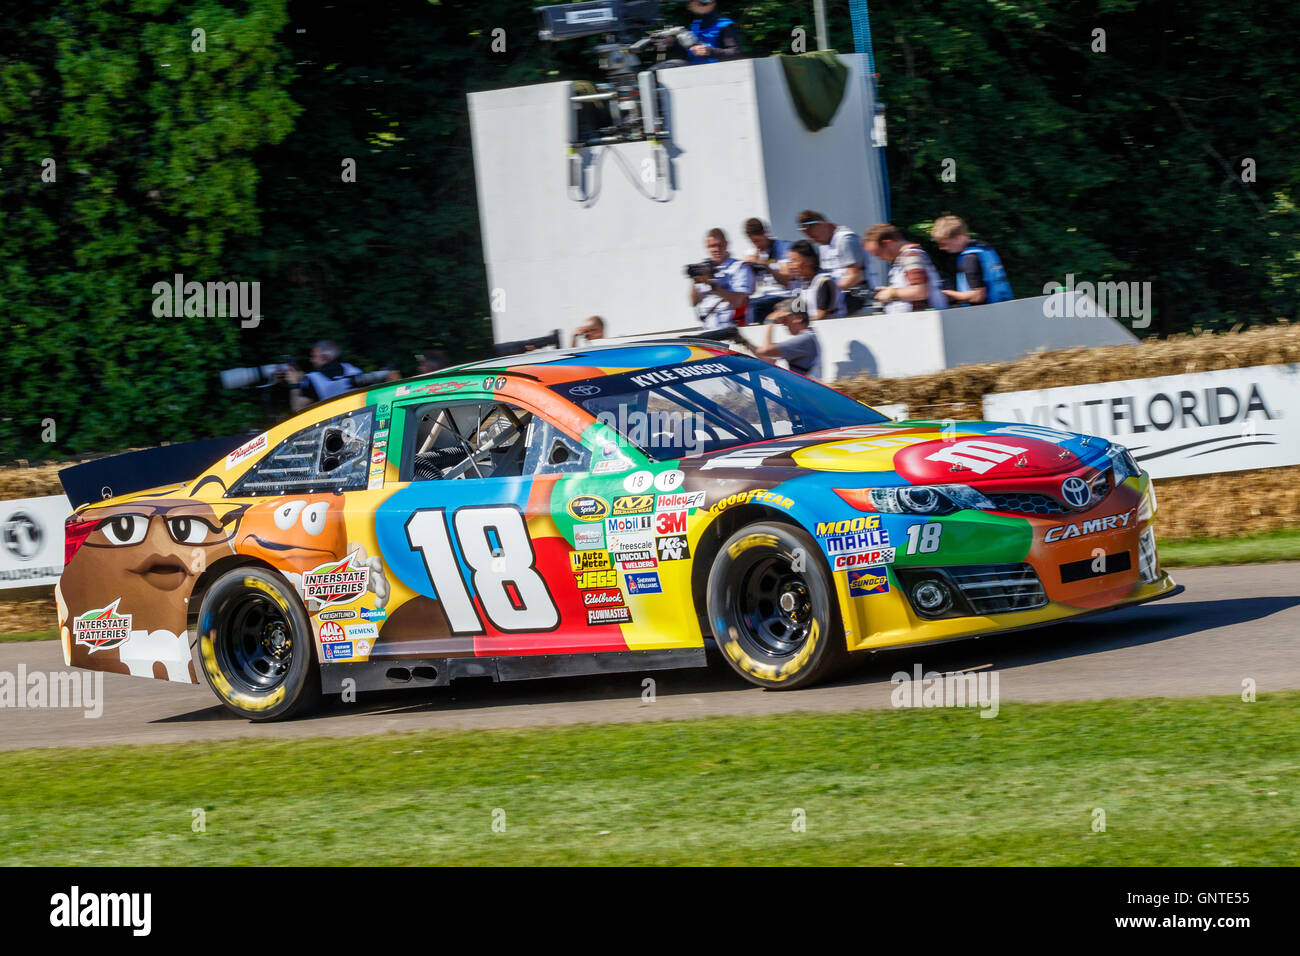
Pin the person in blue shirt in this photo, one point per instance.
(717, 37)
(980, 275)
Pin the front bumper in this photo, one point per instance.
(1008, 572)
(902, 626)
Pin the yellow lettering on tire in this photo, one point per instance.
(771, 672)
(747, 663)
(752, 541)
(268, 590)
(208, 654)
(795, 664)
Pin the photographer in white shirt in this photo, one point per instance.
(720, 287)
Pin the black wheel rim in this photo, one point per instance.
(773, 605)
(255, 643)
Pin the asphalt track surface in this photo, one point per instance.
(1231, 623)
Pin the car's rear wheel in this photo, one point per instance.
(773, 609)
(254, 645)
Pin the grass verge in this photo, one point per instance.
(1248, 549)
(49, 635)
(1201, 781)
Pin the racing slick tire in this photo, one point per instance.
(254, 645)
(773, 608)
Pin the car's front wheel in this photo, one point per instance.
(772, 608)
(254, 645)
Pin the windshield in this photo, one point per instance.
(702, 406)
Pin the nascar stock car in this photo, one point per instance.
(577, 512)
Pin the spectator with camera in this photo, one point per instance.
(914, 283)
(721, 285)
(770, 264)
(980, 275)
(840, 252)
(329, 376)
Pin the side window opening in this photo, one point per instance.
(477, 440)
(488, 440)
(332, 455)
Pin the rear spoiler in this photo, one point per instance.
(147, 468)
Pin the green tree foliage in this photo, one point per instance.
(1118, 164)
(1123, 164)
(151, 144)
(391, 263)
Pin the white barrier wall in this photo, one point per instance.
(738, 150)
(921, 343)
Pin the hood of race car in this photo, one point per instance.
(921, 453)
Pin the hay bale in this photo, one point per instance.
(30, 481)
(962, 389)
(1228, 505)
(28, 615)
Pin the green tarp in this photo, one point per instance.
(816, 82)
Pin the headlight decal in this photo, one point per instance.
(1122, 464)
(929, 499)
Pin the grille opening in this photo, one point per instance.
(1027, 503)
(979, 589)
(999, 588)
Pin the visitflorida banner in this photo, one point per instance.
(1194, 424)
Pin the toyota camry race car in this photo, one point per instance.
(574, 512)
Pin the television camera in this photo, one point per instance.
(628, 106)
